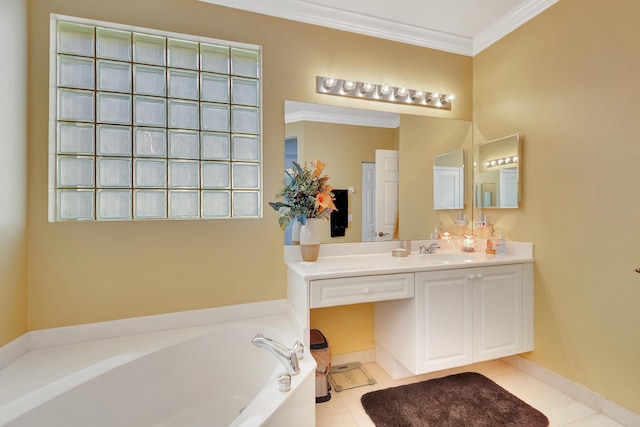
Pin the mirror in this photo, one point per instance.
(448, 180)
(497, 173)
(347, 139)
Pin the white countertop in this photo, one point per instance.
(334, 262)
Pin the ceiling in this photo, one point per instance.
(460, 26)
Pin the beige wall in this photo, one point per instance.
(343, 148)
(567, 81)
(13, 171)
(88, 272)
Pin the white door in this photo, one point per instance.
(444, 328)
(497, 310)
(387, 177)
(448, 184)
(509, 188)
(368, 202)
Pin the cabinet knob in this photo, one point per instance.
(366, 291)
(471, 276)
(478, 276)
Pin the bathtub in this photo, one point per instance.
(209, 375)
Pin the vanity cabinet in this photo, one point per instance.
(457, 317)
(443, 320)
(429, 314)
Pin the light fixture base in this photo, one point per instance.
(383, 92)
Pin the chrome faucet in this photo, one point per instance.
(429, 250)
(286, 356)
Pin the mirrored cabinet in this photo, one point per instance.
(496, 179)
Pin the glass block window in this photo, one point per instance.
(152, 126)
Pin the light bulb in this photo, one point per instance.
(329, 82)
(367, 87)
(385, 90)
(348, 85)
(402, 92)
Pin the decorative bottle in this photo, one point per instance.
(500, 245)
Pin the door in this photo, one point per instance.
(387, 177)
(444, 328)
(448, 184)
(368, 202)
(509, 188)
(497, 307)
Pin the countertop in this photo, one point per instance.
(329, 265)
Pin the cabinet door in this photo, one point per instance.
(443, 320)
(497, 307)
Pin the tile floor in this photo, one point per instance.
(344, 408)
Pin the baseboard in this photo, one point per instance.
(579, 392)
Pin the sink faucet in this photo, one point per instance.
(286, 356)
(429, 250)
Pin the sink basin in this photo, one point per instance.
(449, 257)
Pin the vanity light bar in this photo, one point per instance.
(501, 162)
(383, 92)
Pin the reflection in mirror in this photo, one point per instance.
(348, 139)
(497, 173)
(448, 180)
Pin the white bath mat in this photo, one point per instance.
(350, 375)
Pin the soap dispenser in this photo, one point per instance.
(491, 246)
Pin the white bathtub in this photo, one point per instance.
(207, 375)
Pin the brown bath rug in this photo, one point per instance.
(461, 400)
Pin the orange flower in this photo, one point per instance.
(318, 167)
(325, 201)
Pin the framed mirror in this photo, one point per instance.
(497, 173)
(448, 180)
(347, 140)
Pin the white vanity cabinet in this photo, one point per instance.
(443, 320)
(429, 314)
(457, 317)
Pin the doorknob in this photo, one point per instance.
(380, 234)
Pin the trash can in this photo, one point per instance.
(321, 352)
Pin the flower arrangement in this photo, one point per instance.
(306, 195)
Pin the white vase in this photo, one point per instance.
(309, 240)
(295, 232)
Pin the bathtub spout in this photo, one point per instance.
(285, 355)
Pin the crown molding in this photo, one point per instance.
(324, 16)
(311, 13)
(509, 22)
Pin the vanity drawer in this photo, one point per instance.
(354, 290)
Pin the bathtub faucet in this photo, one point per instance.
(286, 356)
